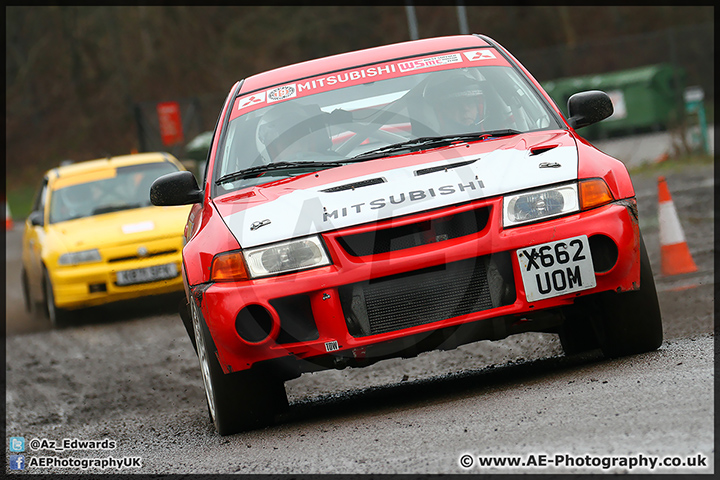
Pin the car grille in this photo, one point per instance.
(428, 295)
(135, 257)
(416, 234)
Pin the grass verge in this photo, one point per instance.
(673, 164)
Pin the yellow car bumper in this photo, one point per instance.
(96, 284)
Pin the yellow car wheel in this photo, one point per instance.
(58, 317)
(27, 300)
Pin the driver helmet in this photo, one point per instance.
(289, 131)
(458, 102)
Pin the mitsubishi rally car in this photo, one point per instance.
(396, 200)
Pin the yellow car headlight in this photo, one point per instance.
(76, 258)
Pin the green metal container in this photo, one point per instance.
(645, 99)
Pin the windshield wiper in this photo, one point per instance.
(434, 142)
(260, 169)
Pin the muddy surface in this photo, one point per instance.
(129, 374)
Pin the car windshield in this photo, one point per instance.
(121, 189)
(293, 126)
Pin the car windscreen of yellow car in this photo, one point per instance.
(111, 190)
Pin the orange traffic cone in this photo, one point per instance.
(8, 218)
(675, 254)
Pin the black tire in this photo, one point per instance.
(28, 301)
(629, 323)
(58, 317)
(236, 401)
(576, 333)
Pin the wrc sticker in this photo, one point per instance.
(331, 346)
(479, 55)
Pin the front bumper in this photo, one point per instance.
(94, 284)
(437, 286)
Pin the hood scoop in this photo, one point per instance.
(541, 149)
(353, 186)
(441, 168)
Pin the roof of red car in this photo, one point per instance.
(360, 57)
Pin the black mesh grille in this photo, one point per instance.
(416, 234)
(424, 296)
(135, 257)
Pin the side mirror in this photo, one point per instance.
(586, 108)
(37, 218)
(177, 188)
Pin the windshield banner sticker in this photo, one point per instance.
(323, 83)
(351, 77)
(429, 62)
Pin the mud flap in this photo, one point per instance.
(184, 311)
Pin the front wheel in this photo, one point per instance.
(236, 401)
(27, 299)
(630, 322)
(58, 317)
(576, 333)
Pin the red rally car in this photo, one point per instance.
(395, 200)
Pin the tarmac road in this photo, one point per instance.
(133, 378)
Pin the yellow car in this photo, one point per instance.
(93, 237)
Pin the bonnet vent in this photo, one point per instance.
(441, 168)
(353, 186)
(543, 149)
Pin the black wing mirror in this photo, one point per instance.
(177, 188)
(37, 218)
(586, 108)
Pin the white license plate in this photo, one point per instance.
(148, 274)
(556, 268)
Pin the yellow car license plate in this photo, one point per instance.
(148, 274)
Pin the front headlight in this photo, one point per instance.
(284, 257)
(75, 258)
(540, 204)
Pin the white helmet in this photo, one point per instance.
(289, 131)
(458, 102)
